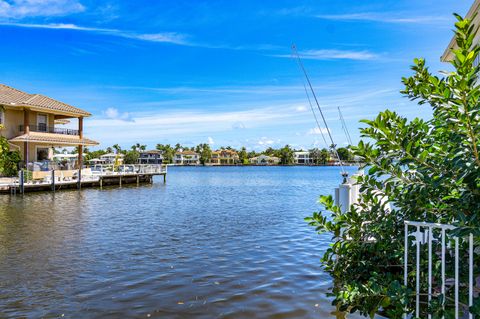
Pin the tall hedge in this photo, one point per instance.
(429, 170)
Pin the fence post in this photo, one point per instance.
(470, 273)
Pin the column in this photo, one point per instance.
(80, 147)
(26, 130)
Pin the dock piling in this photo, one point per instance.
(53, 180)
(21, 181)
(79, 186)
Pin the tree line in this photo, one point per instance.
(285, 153)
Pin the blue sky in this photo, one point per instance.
(221, 71)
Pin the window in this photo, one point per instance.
(2, 118)
(42, 120)
(42, 154)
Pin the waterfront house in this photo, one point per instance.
(150, 157)
(302, 158)
(30, 122)
(474, 13)
(264, 160)
(67, 160)
(186, 158)
(224, 157)
(112, 158)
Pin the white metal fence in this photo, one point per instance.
(426, 234)
(105, 169)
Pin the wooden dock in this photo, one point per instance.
(95, 176)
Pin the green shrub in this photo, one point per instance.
(8, 159)
(428, 169)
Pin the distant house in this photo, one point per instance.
(186, 158)
(67, 160)
(224, 157)
(150, 157)
(111, 158)
(60, 157)
(302, 158)
(264, 160)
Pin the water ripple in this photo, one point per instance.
(224, 242)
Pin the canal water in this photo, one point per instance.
(214, 242)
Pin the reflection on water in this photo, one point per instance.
(226, 242)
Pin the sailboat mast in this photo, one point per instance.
(315, 116)
(333, 145)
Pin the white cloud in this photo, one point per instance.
(156, 121)
(332, 54)
(263, 141)
(171, 37)
(114, 114)
(17, 9)
(384, 17)
(115, 126)
(238, 125)
(301, 108)
(317, 131)
(211, 141)
(166, 37)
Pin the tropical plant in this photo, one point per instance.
(319, 156)
(167, 152)
(345, 154)
(131, 157)
(8, 159)
(243, 156)
(117, 148)
(429, 170)
(94, 154)
(270, 151)
(205, 152)
(286, 155)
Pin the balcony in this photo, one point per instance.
(49, 129)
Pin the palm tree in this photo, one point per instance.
(117, 148)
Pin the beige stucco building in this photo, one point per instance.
(30, 122)
(224, 157)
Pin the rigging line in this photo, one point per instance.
(347, 133)
(333, 146)
(315, 115)
(344, 126)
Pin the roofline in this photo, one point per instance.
(447, 54)
(46, 110)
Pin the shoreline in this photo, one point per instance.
(255, 165)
